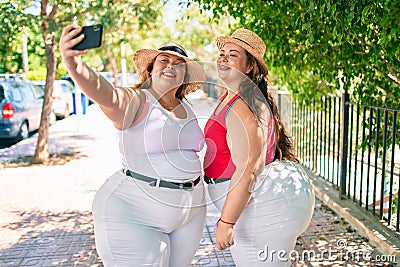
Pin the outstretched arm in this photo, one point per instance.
(114, 101)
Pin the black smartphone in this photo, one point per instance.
(93, 36)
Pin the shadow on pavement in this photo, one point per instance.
(59, 143)
(52, 239)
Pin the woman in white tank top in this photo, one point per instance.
(152, 211)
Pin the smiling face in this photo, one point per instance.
(168, 72)
(232, 62)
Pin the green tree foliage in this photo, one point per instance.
(316, 47)
(197, 30)
(12, 20)
(127, 22)
(49, 17)
(123, 21)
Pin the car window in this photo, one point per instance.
(41, 86)
(66, 88)
(14, 93)
(38, 93)
(2, 96)
(28, 92)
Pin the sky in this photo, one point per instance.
(170, 12)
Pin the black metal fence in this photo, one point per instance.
(355, 147)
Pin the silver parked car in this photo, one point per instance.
(62, 98)
(20, 105)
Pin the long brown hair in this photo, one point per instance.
(284, 148)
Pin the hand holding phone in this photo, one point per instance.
(93, 36)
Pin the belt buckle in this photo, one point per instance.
(207, 179)
(155, 183)
(188, 189)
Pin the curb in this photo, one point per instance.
(385, 240)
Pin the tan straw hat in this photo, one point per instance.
(195, 73)
(249, 41)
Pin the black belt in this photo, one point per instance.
(162, 183)
(209, 180)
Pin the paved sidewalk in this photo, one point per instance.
(45, 212)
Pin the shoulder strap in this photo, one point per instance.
(143, 111)
(230, 105)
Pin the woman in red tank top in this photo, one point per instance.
(253, 177)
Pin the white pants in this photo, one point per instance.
(280, 209)
(139, 225)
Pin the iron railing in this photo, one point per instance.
(355, 147)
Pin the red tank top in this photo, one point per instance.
(217, 160)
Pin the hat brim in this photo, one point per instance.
(222, 40)
(195, 73)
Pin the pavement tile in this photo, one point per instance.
(76, 248)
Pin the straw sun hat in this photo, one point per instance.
(194, 72)
(249, 41)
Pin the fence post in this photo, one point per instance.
(344, 143)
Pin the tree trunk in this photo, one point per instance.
(113, 65)
(42, 154)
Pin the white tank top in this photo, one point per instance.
(162, 145)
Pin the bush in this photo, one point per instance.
(39, 74)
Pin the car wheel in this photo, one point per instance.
(23, 131)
